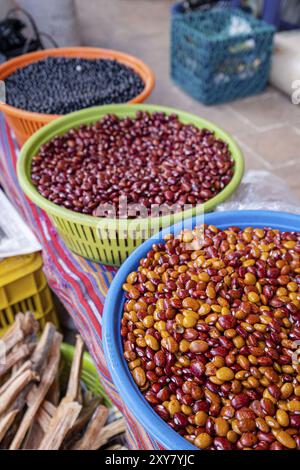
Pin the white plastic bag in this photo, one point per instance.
(285, 70)
(261, 190)
(15, 237)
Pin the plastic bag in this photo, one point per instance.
(261, 190)
(15, 237)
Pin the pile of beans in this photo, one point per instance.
(152, 160)
(58, 85)
(210, 336)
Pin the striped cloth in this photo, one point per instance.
(80, 284)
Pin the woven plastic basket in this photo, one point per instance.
(110, 241)
(23, 287)
(25, 123)
(221, 54)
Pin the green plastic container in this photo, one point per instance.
(110, 241)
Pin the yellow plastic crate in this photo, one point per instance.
(23, 287)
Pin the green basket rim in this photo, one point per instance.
(91, 115)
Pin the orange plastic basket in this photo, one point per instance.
(26, 123)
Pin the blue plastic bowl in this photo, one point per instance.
(113, 310)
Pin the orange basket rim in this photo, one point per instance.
(139, 66)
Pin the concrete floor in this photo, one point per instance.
(266, 126)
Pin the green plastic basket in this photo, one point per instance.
(89, 374)
(104, 240)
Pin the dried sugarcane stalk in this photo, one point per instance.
(11, 393)
(68, 410)
(45, 412)
(6, 422)
(74, 379)
(66, 414)
(20, 401)
(43, 419)
(93, 434)
(34, 437)
(41, 351)
(82, 420)
(19, 363)
(39, 392)
(49, 407)
(30, 324)
(11, 432)
(15, 356)
(27, 365)
(30, 327)
(39, 356)
(108, 432)
(53, 395)
(14, 334)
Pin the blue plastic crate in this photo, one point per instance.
(221, 54)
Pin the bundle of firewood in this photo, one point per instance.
(36, 410)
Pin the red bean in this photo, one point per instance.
(180, 420)
(221, 443)
(150, 159)
(295, 421)
(234, 365)
(239, 401)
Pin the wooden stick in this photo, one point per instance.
(30, 324)
(39, 392)
(74, 378)
(19, 363)
(49, 408)
(53, 395)
(11, 431)
(14, 357)
(41, 351)
(34, 437)
(30, 327)
(6, 422)
(14, 334)
(82, 420)
(11, 393)
(64, 418)
(93, 436)
(44, 414)
(27, 365)
(110, 431)
(43, 418)
(60, 424)
(20, 401)
(39, 357)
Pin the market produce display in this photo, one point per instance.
(210, 332)
(152, 159)
(42, 409)
(60, 85)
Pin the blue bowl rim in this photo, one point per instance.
(113, 309)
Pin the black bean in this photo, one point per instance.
(58, 85)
